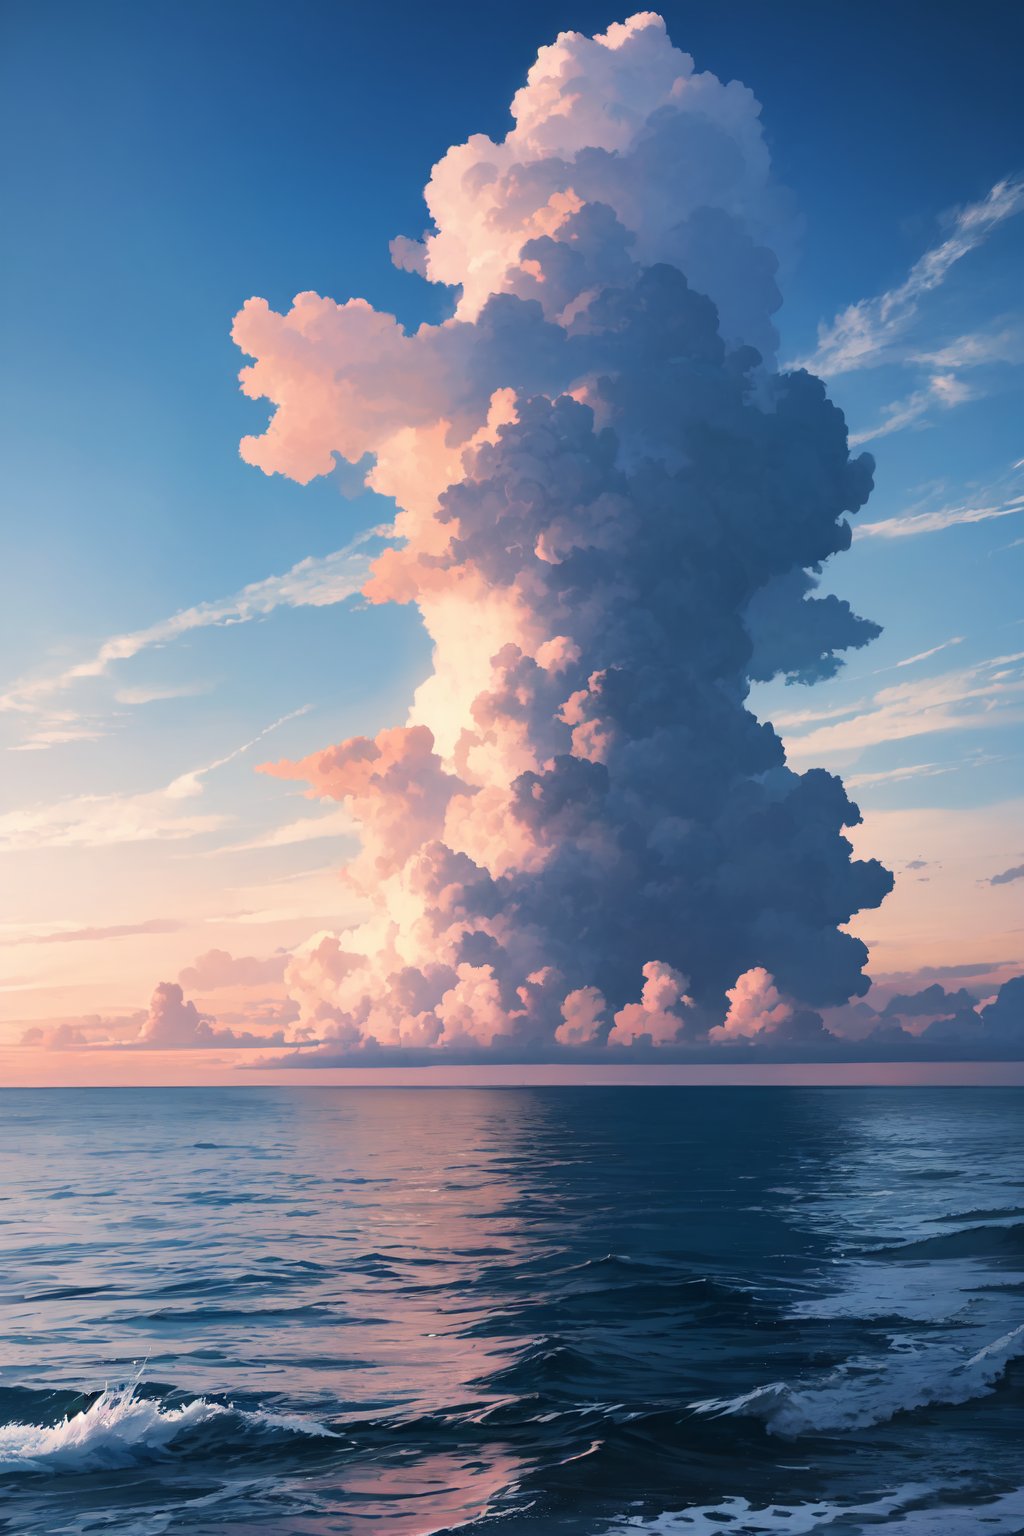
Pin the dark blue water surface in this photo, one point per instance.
(588, 1310)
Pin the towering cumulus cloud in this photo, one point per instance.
(612, 510)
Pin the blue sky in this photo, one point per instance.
(167, 162)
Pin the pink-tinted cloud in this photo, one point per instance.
(660, 1015)
(395, 787)
(216, 969)
(56, 1037)
(754, 1006)
(171, 1023)
(98, 934)
(175, 1023)
(579, 787)
(583, 1012)
(581, 838)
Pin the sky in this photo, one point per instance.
(175, 616)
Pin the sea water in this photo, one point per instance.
(594, 1311)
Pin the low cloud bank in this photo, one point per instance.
(172, 1023)
(760, 1026)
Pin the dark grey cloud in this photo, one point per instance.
(930, 1001)
(959, 972)
(802, 637)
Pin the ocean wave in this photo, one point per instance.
(623, 1263)
(1001, 1213)
(312, 1312)
(122, 1428)
(549, 1361)
(709, 1301)
(865, 1391)
(984, 1241)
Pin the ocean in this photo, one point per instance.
(594, 1311)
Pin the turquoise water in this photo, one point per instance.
(583, 1310)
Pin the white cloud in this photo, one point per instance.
(336, 823)
(216, 968)
(895, 417)
(56, 733)
(944, 389)
(155, 693)
(312, 583)
(976, 349)
(172, 1023)
(77, 933)
(985, 696)
(908, 661)
(311, 896)
(910, 524)
(96, 821)
(898, 775)
(187, 785)
(863, 334)
(917, 771)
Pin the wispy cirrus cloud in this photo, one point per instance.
(156, 694)
(85, 935)
(335, 823)
(899, 775)
(865, 333)
(880, 330)
(59, 730)
(981, 697)
(1003, 498)
(312, 583)
(976, 349)
(189, 784)
(916, 771)
(910, 661)
(53, 727)
(944, 389)
(96, 821)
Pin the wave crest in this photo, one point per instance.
(121, 1428)
(865, 1392)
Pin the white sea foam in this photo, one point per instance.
(923, 1293)
(866, 1390)
(738, 1515)
(121, 1428)
(999, 1516)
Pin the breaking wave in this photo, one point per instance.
(122, 1428)
(863, 1392)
